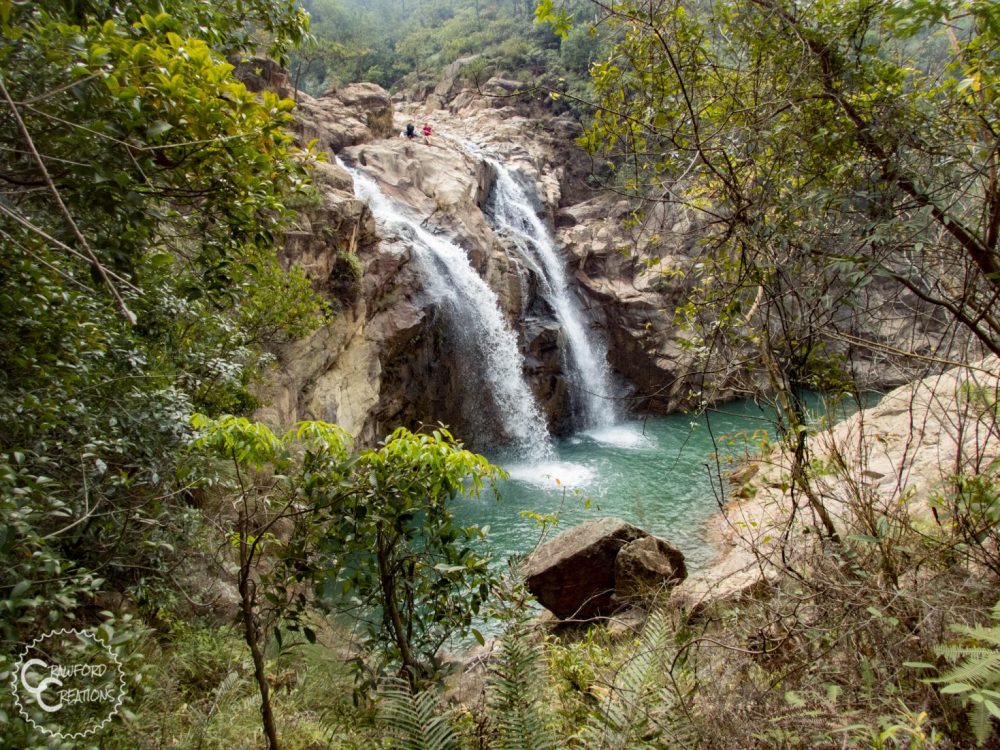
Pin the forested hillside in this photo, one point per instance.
(215, 249)
(399, 44)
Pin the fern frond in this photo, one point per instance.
(975, 677)
(516, 696)
(979, 720)
(979, 633)
(225, 691)
(641, 705)
(413, 720)
(980, 668)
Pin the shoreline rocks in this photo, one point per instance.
(899, 452)
(577, 575)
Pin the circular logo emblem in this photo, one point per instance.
(68, 684)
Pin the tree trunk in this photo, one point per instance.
(793, 412)
(387, 584)
(251, 634)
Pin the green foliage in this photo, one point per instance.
(971, 512)
(908, 731)
(975, 678)
(143, 191)
(811, 140)
(371, 532)
(413, 720)
(393, 43)
(394, 545)
(643, 707)
(578, 669)
(517, 693)
(246, 442)
(199, 693)
(558, 19)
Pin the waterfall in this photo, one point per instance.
(490, 345)
(512, 212)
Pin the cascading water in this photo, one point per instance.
(453, 284)
(512, 212)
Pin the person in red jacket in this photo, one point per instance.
(427, 133)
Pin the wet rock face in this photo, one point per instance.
(637, 301)
(389, 354)
(445, 187)
(437, 182)
(573, 575)
(544, 366)
(631, 307)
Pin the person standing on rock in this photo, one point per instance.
(427, 133)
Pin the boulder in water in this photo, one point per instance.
(647, 566)
(574, 574)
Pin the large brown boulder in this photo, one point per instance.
(574, 574)
(451, 82)
(646, 567)
(369, 97)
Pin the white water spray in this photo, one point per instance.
(452, 282)
(513, 213)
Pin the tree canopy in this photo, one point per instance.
(400, 43)
(142, 190)
(823, 146)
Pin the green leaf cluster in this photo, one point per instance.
(395, 546)
(833, 153)
(142, 193)
(413, 720)
(372, 534)
(975, 677)
(517, 683)
(398, 44)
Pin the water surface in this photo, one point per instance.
(660, 474)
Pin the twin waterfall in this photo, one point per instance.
(478, 324)
(585, 362)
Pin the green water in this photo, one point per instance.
(659, 473)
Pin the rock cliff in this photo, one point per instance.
(386, 356)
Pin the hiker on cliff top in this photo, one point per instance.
(427, 133)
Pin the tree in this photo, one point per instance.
(820, 138)
(395, 550)
(317, 529)
(266, 500)
(839, 156)
(141, 195)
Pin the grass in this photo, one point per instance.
(199, 693)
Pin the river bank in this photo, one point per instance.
(891, 459)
